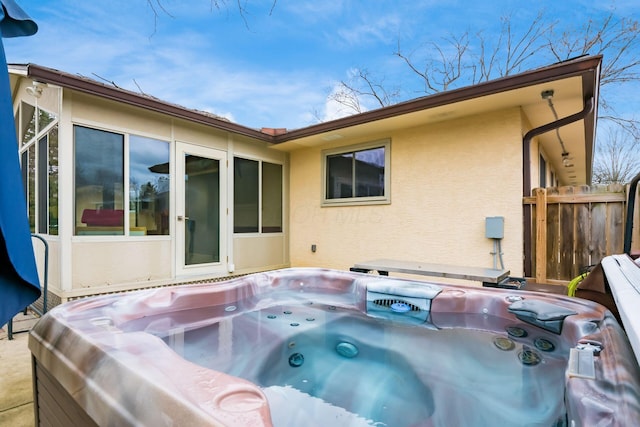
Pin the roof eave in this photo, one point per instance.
(588, 67)
(65, 80)
(580, 66)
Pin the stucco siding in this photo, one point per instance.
(199, 135)
(99, 265)
(92, 111)
(446, 179)
(257, 253)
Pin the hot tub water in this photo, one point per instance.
(384, 372)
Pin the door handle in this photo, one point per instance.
(182, 218)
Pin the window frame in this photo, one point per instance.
(115, 230)
(260, 183)
(38, 182)
(542, 171)
(128, 233)
(362, 200)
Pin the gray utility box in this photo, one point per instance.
(494, 227)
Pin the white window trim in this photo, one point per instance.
(26, 146)
(358, 201)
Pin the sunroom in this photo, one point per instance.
(130, 192)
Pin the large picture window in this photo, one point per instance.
(99, 182)
(102, 206)
(257, 197)
(357, 175)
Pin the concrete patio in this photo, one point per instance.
(16, 389)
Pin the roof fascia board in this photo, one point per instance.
(541, 75)
(47, 75)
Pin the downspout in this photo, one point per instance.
(526, 171)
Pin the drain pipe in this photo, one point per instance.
(526, 170)
(631, 204)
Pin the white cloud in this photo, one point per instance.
(371, 30)
(257, 97)
(334, 108)
(182, 67)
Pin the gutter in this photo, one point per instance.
(547, 74)
(526, 170)
(146, 102)
(526, 141)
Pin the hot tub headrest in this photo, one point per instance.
(540, 313)
(403, 288)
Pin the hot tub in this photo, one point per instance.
(312, 347)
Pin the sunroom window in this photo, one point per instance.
(38, 135)
(257, 200)
(100, 176)
(357, 174)
(148, 186)
(99, 182)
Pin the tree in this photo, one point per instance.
(469, 59)
(459, 61)
(617, 40)
(158, 8)
(616, 161)
(350, 95)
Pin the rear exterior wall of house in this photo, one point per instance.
(445, 180)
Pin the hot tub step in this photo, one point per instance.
(581, 364)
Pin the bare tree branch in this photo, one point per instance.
(440, 74)
(616, 39)
(139, 88)
(350, 97)
(617, 158)
(630, 126)
(158, 8)
(454, 63)
(347, 98)
(461, 60)
(521, 49)
(111, 82)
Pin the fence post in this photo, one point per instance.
(541, 235)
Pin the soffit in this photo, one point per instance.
(567, 100)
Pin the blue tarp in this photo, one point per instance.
(19, 284)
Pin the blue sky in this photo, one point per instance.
(272, 68)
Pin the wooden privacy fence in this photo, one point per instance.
(574, 227)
